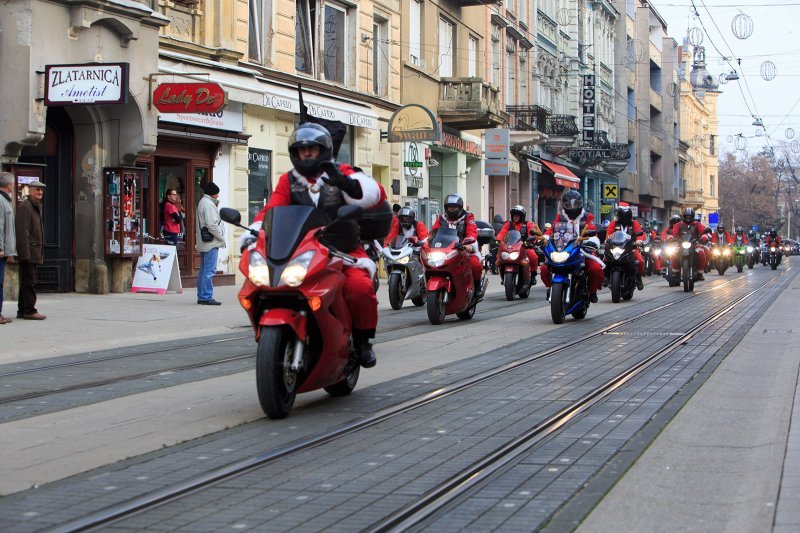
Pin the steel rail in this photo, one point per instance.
(115, 513)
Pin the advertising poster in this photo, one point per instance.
(157, 270)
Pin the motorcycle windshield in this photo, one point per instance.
(512, 237)
(444, 238)
(563, 234)
(399, 242)
(289, 224)
(619, 238)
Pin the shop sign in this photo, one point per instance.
(413, 122)
(416, 182)
(610, 191)
(589, 153)
(189, 97)
(327, 112)
(497, 143)
(460, 145)
(588, 97)
(230, 118)
(412, 162)
(90, 83)
(534, 166)
(496, 167)
(605, 209)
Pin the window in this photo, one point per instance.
(445, 49)
(415, 33)
(380, 56)
(472, 66)
(711, 147)
(510, 75)
(712, 185)
(333, 34)
(632, 160)
(496, 67)
(259, 30)
(631, 104)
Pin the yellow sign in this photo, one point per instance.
(610, 191)
(413, 122)
(605, 209)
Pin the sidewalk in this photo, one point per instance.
(730, 459)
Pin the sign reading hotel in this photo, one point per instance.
(588, 97)
(413, 122)
(188, 97)
(91, 83)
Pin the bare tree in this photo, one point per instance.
(748, 189)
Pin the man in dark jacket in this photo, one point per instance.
(30, 250)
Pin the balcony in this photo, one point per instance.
(472, 3)
(527, 117)
(470, 104)
(656, 100)
(657, 143)
(618, 161)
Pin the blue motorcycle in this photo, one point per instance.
(564, 256)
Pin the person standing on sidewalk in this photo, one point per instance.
(30, 250)
(8, 237)
(208, 217)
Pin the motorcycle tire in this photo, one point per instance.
(346, 386)
(558, 302)
(510, 284)
(616, 286)
(436, 307)
(276, 384)
(721, 271)
(468, 313)
(739, 268)
(419, 301)
(774, 267)
(687, 276)
(397, 292)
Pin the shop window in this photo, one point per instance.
(348, 149)
(260, 27)
(259, 181)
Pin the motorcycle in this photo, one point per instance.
(293, 295)
(566, 261)
(648, 251)
(774, 258)
(688, 256)
(764, 254)
(721, 255)
(449, 287)
(752, 256)
(739, 255)
(406, 275)
(620, 268)
(512, 262)
(672, 275)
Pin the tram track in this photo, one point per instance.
(434, 500)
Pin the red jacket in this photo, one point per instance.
(633, 230)
(587, 222)
(470, 228)
(420, 231)
(770, 241)
(508, 226)
(715, 238)
(676, 229)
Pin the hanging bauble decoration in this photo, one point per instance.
(672, 88)
(768, 70)
(635, 51)
(740, 143)
(795, 146)
(723, 78)
(759, 132)
(563, 17)
(696, 36)
(729, 139)
(742, 26)
(789, 133)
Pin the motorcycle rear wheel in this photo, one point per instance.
(419, 301)
(275, 382)
(346, 386)
(510, 284)
(436, 307)
(616, 286)
(558, 302)
(397, 292)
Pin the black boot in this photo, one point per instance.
(363, 347)
(639, 282)
(593, 297)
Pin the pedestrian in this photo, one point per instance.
(8, 237)
(208, 243)
(170, 216)
(30, 250)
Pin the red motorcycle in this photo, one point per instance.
(449, 287)
(293, 296)
(514, 267)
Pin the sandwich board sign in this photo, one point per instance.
(157, 270)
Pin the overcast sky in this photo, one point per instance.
(773, 39)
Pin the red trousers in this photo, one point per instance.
(358, 293)
(701, 260)
(638, 255)
(656, 262)
(476, 267)
(533, 261)
(593, 270)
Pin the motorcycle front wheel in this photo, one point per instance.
(688, 282)
(558, 302)
(510, 283)
(397, 292)
(616, 286)
(436, 306)
(275, 381)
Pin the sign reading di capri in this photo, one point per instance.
(91, 83)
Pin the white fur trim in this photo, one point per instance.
(364, 263)
(247, 235)
(371, 191)
(594, 258)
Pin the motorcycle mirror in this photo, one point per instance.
(468, 240)
(349, 212)
(230, 215)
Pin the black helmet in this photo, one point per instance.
(674, 219)
(396, 208)
(624, 215)
(773, 233)
(572, 204)
(310, 134)
(518, 210)
(688, 215)
(457, 203)
(720, 228)
(407, 217)
(739, 230)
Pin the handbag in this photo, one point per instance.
(206, 235)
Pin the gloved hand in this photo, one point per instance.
(246, 241)
(337, 179)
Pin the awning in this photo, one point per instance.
(246, 86)
(564, 177)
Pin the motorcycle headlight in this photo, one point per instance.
(403, 260)
(258, 272)
(749, 249)
(559, 257)
(513, 256)
(726, 251)
(772, 249)
(657, 251)
(504, 255)
(616, 252)
(686, 245)
(295, 272)
(646, 248)
(436, 259)
(671, 249)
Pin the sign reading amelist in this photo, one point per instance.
(413, 122)
(189, 97)
(91, 83)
